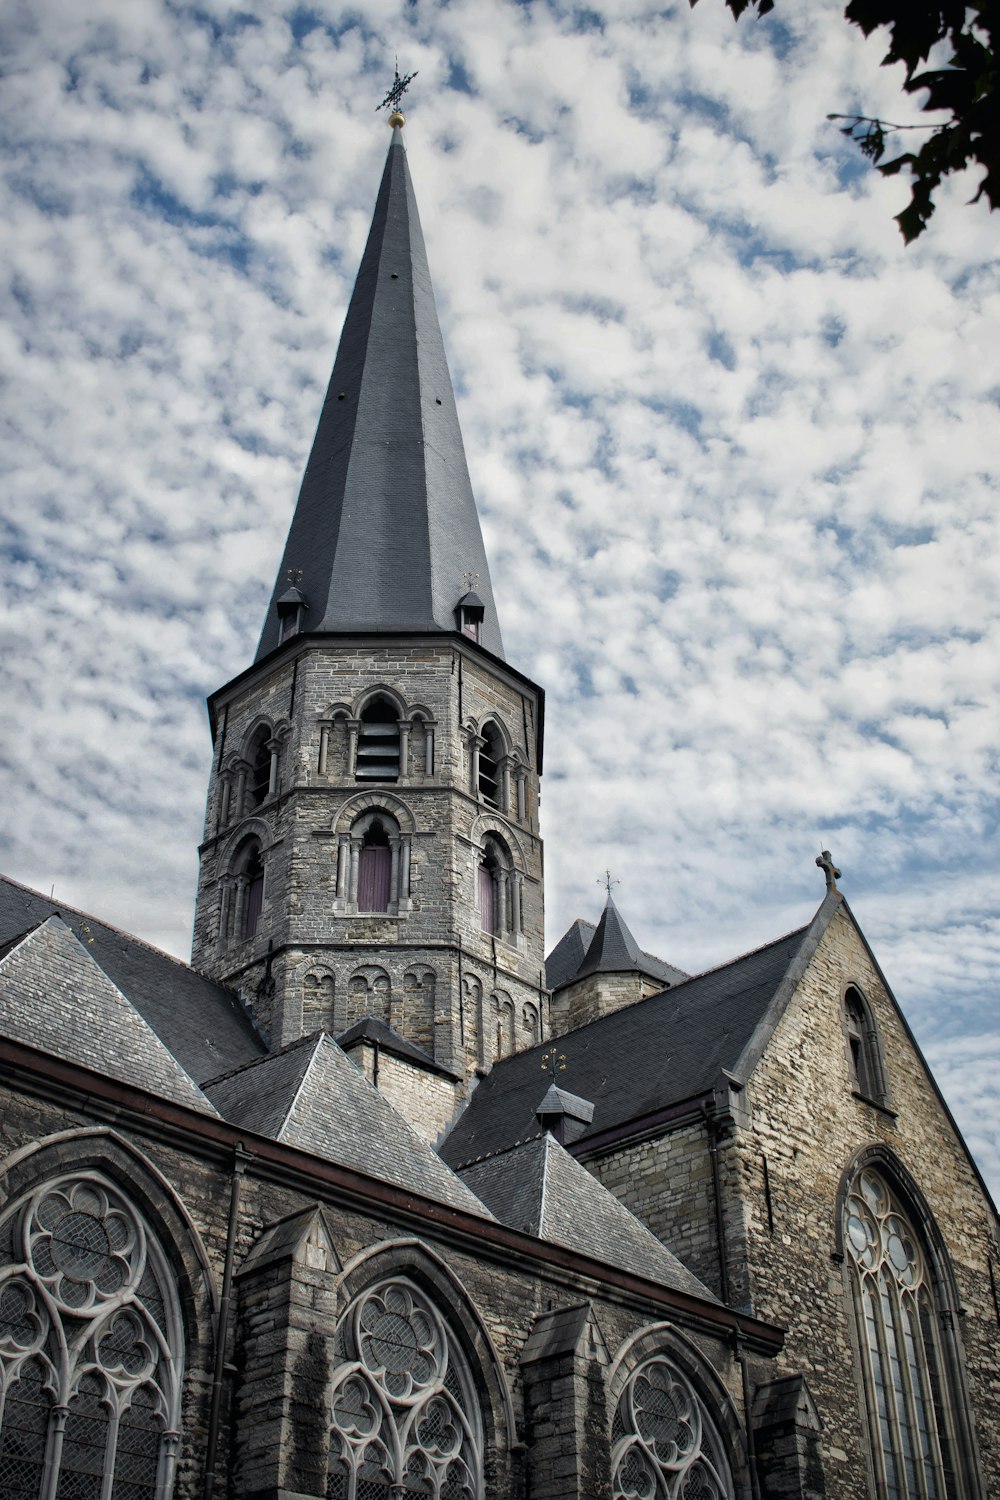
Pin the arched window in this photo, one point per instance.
(378, 742)
(903, 1364)
(374, 869)
(491, 755)
(863, 1052)
(405, 1418)
(259, 757)
(488, 876)
(664, 1443)
(253, 895)
(90, 1336)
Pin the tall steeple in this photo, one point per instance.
(372, 864)
(385, 534)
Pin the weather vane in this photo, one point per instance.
(294, 576)
(394, 97)
(553, 1062)
(606, 881)
(471, 579)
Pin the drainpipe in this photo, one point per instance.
(241, 1158)
(751, 1437)
(712, 1131)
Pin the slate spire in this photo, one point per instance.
(385, 531)
(612, 949)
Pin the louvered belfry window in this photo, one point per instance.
(903, 1367)
(378, 743)
(664, 1444)
(406, 1420)
(90, 1349)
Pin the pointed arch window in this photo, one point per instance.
(378, 742)
(864, 1057)
(259, 780)
(664, 1443)
(491, 756)
(904, 1367)
(405, 1419)
(91, 1348)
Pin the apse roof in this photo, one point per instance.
(311, 1095)
(385, 535)
(664, 1049)
(201, 1022)
(539, 1188)
(56, 997)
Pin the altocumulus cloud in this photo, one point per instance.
(735, 449)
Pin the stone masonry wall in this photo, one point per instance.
(808, 1122)
(419, 964)
(278, 1360)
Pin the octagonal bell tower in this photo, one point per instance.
(371, 861)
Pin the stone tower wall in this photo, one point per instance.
(426, 966)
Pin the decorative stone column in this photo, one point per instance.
(241, 906)
(353, 725)
(404, 868)
(428, 748)
(272, 776)
(343, 866)
(521, 774)
(476, 743)
(225, 800)
(352, 891)
(394, 891)
(503, 790)
(516, 883)
(225, 897)
(324, 748)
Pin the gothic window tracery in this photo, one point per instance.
(405, 1418)
(90, 1349)
(904, 1372)
(664, 1444)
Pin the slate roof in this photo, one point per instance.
(199, 1021)
(659, 1051)
(539, 1188)
(385, 528)
(311, 1095)
(564, 962)
(373, 1029)
(54, 996)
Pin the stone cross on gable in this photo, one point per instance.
(829, 869)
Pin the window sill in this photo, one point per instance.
(883, 1109)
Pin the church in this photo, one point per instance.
(375, 1200)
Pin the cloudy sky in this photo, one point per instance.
(735, 449)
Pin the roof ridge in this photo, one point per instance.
(750, 953)
(256, 1062)
(109, 927)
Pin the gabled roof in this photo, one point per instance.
(667, 1048)
(373, 1029)
(199, 1021)
(539, 1188)
(385, 530)
(55, 997)
(311, 1095)
(565, 962)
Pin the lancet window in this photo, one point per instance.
(91, 1349)
(903, 1362)
(664, 1444)
(405, 1418)
(863, 1052)
(260, 758)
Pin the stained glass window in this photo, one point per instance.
(901, 1354)
(664, 1443)
(405, 1419)
(89, 1323)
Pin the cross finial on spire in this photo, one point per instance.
(395, 96)
(294, 576)
(606, 881)
(471, 579)
(826, 864)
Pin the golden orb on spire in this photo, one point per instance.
(397, 118)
